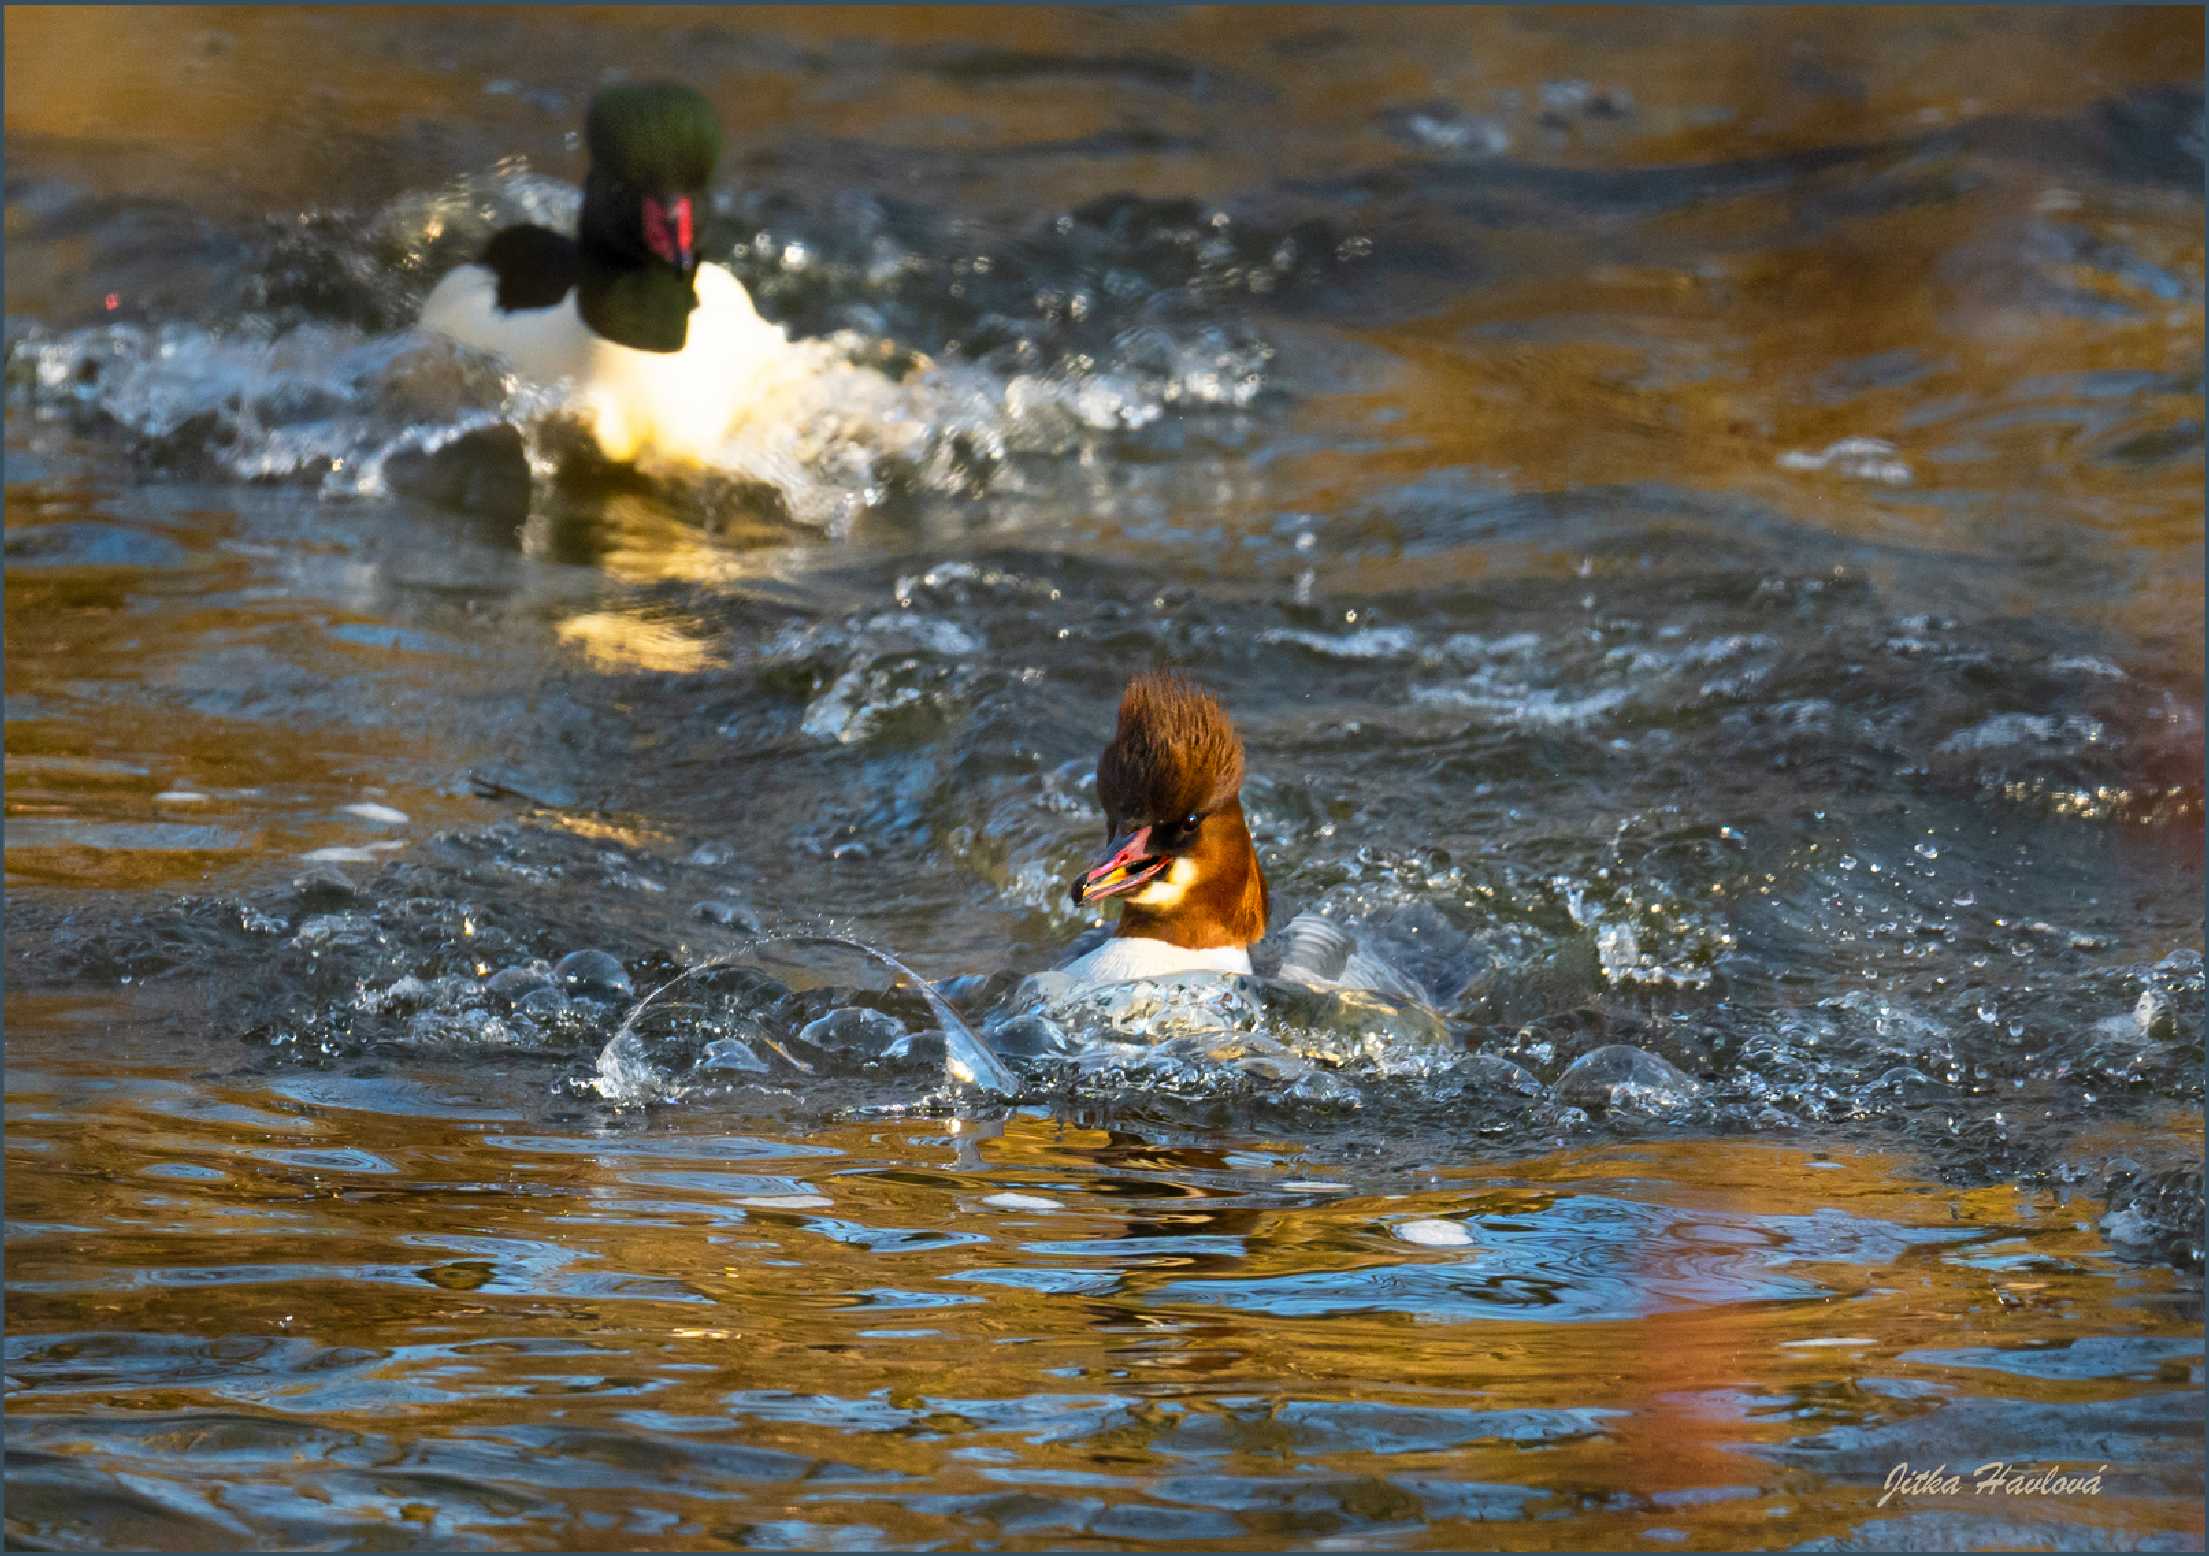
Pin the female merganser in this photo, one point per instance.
(666, 354)
(1181, 860)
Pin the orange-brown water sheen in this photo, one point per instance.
(462, 1272)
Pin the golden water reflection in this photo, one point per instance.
(247, 756)
(1672, 1327)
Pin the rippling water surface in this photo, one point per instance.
(1699, 518)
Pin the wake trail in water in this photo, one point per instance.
(892, 379)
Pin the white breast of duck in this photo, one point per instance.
(680, 405)
(1126, 957)
(666, 356)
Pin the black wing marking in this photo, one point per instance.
(536, 267)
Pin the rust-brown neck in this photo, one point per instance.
(1225, 906)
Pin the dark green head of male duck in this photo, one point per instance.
(653, 147)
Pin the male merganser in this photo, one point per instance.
(1181, 860)
(666, 354)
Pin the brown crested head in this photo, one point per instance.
(1179, 853)
(1174, 754)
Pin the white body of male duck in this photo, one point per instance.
(1181, 861)
(666, 355)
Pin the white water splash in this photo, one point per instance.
(626, 1074)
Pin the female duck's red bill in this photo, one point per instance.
(1125, 865)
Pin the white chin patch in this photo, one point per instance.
(1166, 889)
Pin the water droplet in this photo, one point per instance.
(1435, 1234)
(1022, 1202)
(592, 972)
